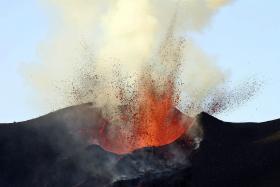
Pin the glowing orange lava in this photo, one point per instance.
(152, 120)
(157, 122)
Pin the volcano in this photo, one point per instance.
(64, 149)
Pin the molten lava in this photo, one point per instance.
(157, 122)
(151, 120)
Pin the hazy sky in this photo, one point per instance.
(244, 38)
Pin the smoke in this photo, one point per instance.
(100, 48)
(200, 77)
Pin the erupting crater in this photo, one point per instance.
(151, 119)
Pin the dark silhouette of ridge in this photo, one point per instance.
(48, 152)
(237, 154)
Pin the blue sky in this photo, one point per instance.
(243, 37)
(23, 25)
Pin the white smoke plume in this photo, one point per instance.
(101, 46)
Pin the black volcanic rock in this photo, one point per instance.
(237, 154)
(231, 154)
(40, 151)
(48, 152)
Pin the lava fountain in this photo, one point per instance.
(151, 117)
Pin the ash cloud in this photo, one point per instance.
(100, 47)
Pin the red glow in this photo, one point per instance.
(151, 120)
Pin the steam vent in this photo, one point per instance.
(72, 148)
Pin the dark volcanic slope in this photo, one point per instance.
(54, 150)
(41, 152)
(237, 154)
(48, 152)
